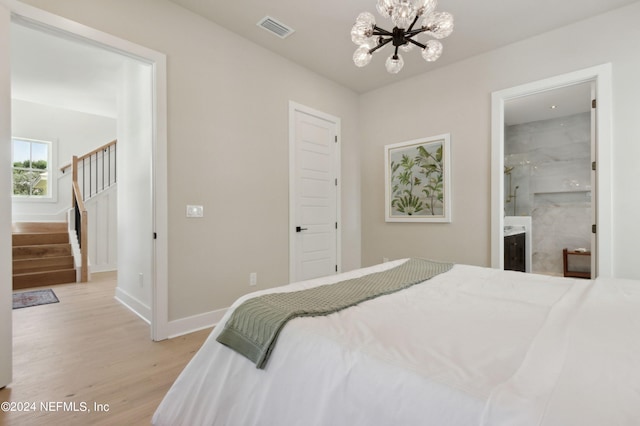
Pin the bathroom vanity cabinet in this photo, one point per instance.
(514, 252)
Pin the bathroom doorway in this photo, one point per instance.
(599, 78)
(548, 180)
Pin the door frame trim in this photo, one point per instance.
(6, 286)
(61, 25)
(601, 75)
(293, 108)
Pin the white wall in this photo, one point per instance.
(102, 220)
(6, 345)
(73, 132)
(227, 145)
(135, 229)
(456, 99)
(227, 148)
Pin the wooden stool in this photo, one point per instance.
(577, 274)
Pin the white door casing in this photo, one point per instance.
(601, 76)
(313, 193)
(6, 346)
(40, 18)
(594, 181)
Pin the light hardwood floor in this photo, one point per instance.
(89, 349)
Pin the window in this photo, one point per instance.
(31, 162)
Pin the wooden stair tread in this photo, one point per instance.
(41, 254)
(39, 279)
(42, 264)
(35, 227)
(39, 273)
(37, 251)
(39, 238)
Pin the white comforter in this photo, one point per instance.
(473, 346)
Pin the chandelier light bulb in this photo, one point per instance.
(425, 7)
(439, 24)
(363, 28)
(370, 43)
(362, 57)
(403, 14)
(394, 64)
(359, 34)
(385, 7)
(433, 51)
(366, 19)
(407, 47)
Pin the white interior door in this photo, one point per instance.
(313, 194)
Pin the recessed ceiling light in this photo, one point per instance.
(553, 106)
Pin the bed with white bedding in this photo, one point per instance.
(471, 346)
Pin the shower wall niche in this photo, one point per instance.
(548, 177)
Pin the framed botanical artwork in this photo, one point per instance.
(418, 180)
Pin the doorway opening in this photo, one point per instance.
(549, 194)
(65, 92)
(141, 130)
(506, 200)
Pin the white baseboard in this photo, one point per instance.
(175, 328)
(194, 323)
(134, 305)
(102, 268)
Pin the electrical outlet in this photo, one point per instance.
(253, 278)
(385, 259)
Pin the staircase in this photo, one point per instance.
(41, 255)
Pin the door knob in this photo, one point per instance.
(298, 229)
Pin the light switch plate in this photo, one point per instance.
(195, 211)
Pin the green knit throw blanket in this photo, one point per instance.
(255, 325)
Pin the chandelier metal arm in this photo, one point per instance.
(395, 53)
(417, 43)
(414, 32)
(383, 43)
(412, 24)
(381, 31)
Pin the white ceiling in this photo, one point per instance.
(52, 70)
(322, 40)
(567, 100)
(58, 71)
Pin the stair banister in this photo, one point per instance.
(104, 148)
(100, 178)
(80, 221)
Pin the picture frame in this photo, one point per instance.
(418, 180)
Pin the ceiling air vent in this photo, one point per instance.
(275, 27)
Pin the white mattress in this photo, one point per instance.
(473, 346)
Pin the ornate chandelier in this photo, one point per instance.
(404, 14)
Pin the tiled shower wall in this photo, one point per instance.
(551, 163)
